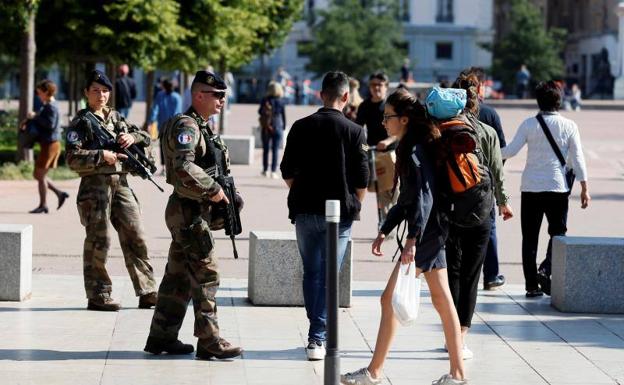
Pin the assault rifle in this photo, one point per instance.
(137, 162)
(230, 211)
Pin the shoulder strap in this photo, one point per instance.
(551, 140)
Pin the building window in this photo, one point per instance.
(444, 51)
(445, 11)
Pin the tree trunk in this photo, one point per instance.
(27, 81)
(149, 95)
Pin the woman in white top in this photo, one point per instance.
(544, 187)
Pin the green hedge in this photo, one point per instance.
(24, 171)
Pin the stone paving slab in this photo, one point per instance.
(51, 339)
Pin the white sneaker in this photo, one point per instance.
(359, 377)
(448, 380)
(467, 354)
(275, 175)
(315, 351)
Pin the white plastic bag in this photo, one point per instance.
(406, 295)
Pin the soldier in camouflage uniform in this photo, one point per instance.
(193, 156)
(104, 193)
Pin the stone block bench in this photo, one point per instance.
(241, 148)
(276, 270)
(15, 262)
(588, 275)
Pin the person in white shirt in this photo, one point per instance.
(544, 187)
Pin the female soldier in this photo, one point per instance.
(104, 193)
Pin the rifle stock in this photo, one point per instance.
(233, 224)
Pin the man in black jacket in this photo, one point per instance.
(325, 158)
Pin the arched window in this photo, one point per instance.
(445, 11)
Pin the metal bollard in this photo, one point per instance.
(332, 355)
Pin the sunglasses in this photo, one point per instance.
(217, 94)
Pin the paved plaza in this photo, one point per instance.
(51, 339)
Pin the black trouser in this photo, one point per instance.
(465, 252)
(533, 207)
(490, 265)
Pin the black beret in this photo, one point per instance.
(210, 79)
(99, 77)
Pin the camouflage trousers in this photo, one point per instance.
(104, 197)
(191, 273)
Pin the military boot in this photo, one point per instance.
(147, 301)
(219, 348)
(157, 346)
(103, 304)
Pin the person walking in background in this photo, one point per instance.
(46, 125)
(523, 77)
(104, 194)
(272, 123)
(125, 91)
(406, 118)
(166, 104)
(489, 116)
(370, 115)
(340, 173)
(355, 99)
(545, 190)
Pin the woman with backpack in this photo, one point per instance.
(272, 125)
(405, 118)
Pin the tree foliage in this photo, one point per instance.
(528, 42)
(14, 15)
(357, 37)
(228, 34)
(139, 32)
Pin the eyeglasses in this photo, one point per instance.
(217, 94)
(386, 117)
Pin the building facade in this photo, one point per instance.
(591, 51)
(443, 37)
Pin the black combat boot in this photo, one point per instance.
(157, 346)
(103, 304)
(147, 301)
(218, 348)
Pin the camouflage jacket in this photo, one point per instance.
(190, 149)
(84, 154)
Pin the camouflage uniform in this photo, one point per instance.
(192, 153)
(104, 193)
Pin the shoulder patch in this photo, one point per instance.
(185, 137)
(72, 136)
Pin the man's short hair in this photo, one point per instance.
(548, 95)
(335, 84)
(378, 76)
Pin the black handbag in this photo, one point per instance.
(570, 176)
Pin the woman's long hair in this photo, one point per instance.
(469, 82)
(420, 129)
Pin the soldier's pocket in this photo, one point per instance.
(199, 242)
(88, 211)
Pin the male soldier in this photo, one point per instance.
(193, 156)
(104, 193)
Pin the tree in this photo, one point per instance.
(357, 37)
(528, 42)
(229, 34)
(21, 21)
